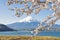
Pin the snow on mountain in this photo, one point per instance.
(27, 22)
(27, 19)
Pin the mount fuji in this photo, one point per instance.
(25, 23)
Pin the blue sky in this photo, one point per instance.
(7, 16)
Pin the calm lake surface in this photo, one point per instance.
(23, 33)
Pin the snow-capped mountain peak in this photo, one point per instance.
(26, 19)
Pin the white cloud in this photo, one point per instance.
(27, 19)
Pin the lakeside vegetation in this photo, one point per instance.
(28, 38)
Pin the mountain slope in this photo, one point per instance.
(5, 28)
(27, 25)
(23, 25)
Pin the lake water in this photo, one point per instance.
(23, 33)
